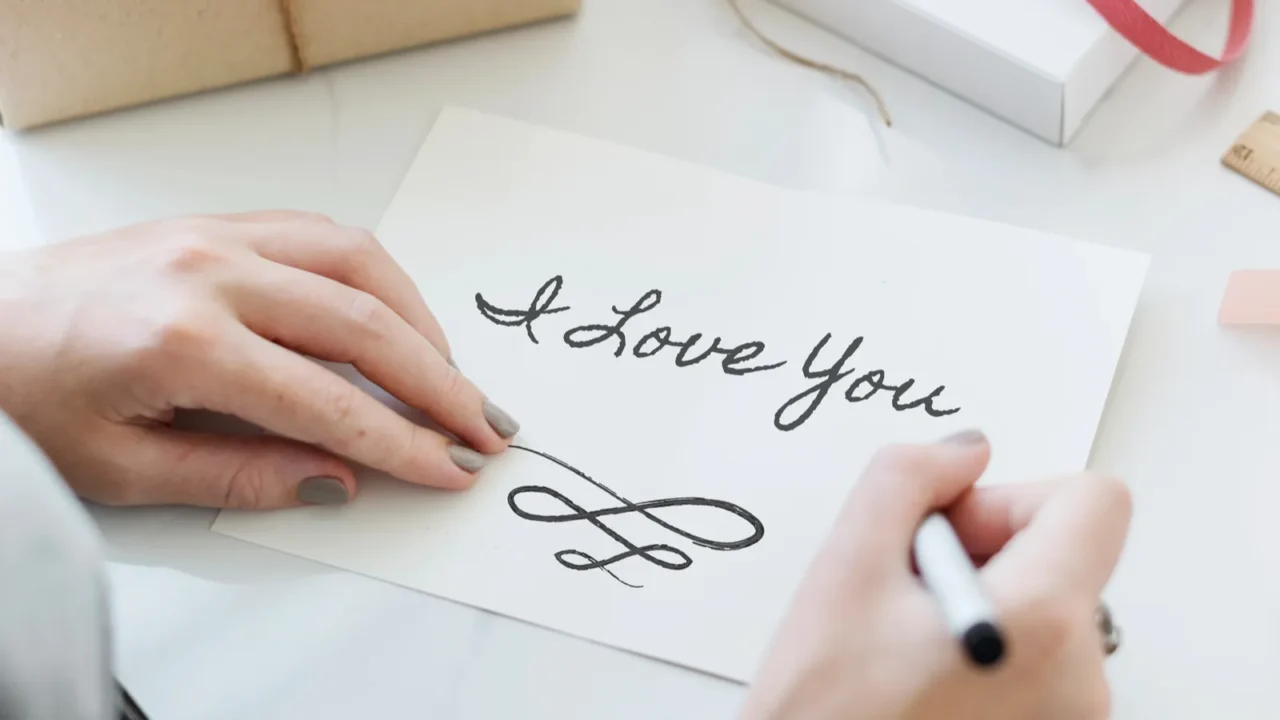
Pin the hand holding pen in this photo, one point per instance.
(934, 598)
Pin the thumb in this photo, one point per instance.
(904, 483)
(1071, 543)
(175, 467)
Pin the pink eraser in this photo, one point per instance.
(1252, 298)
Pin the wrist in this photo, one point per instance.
(17, 319)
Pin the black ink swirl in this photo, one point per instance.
(657, 553)
(537, 308)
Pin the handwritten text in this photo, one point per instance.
(735, 360)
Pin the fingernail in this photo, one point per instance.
(323, 491)
(500, 421)
(466, 458)
(966, 437)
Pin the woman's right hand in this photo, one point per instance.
(865, 640)
(103, 338)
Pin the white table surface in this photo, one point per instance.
(210, 627)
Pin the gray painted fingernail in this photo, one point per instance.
(466, 458)
(500, 421)
(966, 437)
(323, 491)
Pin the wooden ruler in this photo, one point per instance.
(1256, 153)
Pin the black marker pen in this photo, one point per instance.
(947, 571)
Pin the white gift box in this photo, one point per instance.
(1042, 65)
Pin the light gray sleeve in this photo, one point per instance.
(55, 646)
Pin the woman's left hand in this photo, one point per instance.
(103, 338)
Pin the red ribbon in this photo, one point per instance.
(1148, 35)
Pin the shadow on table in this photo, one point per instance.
(179, 539)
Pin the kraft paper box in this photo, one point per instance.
(1042, 65)
(65, 59)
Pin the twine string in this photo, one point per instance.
(807, 62)
(299, 60)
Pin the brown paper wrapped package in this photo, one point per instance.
(65, 59)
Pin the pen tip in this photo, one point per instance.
(984, 644)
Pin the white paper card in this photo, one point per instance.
(975, 324)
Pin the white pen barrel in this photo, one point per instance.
(946, 568)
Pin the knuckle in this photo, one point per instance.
(191, 254)
(413, 446)
(246, 486)
(369, 314)
(455, 385)
(338, 406)
(361, 247)
(173, 339)
(424, 450)
(363, 242)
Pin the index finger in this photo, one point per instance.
(351, 256)
(262, 383)
(330, 321)
(1072, 541)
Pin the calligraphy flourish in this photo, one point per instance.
(660, 554)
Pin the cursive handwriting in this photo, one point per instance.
(734, 360)
(660, 338)
(596, 334)
(541, 305)
(653, 342)
(869, 383)
(660, 554)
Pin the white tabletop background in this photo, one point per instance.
(209, 627)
